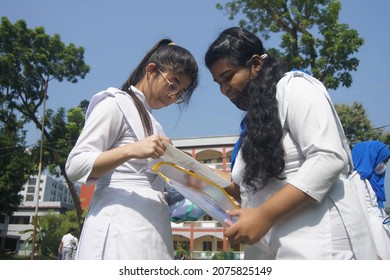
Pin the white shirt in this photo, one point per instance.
(375, 214)
(69, 241)
(128, 217)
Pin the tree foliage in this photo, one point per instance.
(15, 161)
(29, 60)
(65, 127)
(357, 126)
(312, 37)
(50, 230)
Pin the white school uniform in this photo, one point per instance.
(317, 162)
(128, 217)
(375, 214)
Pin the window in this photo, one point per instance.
(207, 218)
(184, 245)
(207, 246)
(219, 245)
(29, 197)
(30, 189)
(32, 181)
(19, 220)
(235, 247)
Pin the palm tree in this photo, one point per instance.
(40, 234)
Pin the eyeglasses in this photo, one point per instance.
(173, 89)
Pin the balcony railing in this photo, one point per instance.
(198, 224)
(208, 255)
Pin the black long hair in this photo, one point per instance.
(167, 56)
(262, 148)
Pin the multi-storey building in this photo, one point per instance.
(53, 195)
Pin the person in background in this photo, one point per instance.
(67, 245)
(291, 162)
(128, 217)
(370, 161)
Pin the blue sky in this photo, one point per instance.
(117, 33)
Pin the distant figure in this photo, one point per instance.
(370, 160)
(68, 244)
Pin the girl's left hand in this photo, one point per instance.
(251, 226)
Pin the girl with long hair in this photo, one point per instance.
(291, 161)
(128, 217)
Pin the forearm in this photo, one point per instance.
(234, 191)
(109, 160)
(150, 147)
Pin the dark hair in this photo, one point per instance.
(167, 56)
(262, 148)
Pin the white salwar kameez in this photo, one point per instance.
(128, 217)
(375, 214)
(316, 155)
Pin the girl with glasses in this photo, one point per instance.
(128, 217)
(291, 161)
(370, 160)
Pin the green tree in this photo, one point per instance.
(312, 37)
(357, 126)
(50, 230)
(40, 234)
(385, 138)
(65, 127)
(29, 60)
(15, 161)
(56, 225)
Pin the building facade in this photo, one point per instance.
(53, 195)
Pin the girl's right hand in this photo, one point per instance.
(149, 147)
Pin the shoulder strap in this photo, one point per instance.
(125, 104)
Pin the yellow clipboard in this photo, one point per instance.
(206, 194)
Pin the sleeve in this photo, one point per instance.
(100, 131)
(313, 126)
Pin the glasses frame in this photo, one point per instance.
(173, 92)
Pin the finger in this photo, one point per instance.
(166, 139)
(234, 212)
(158, 152)
(228, 222)
(231, 232)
